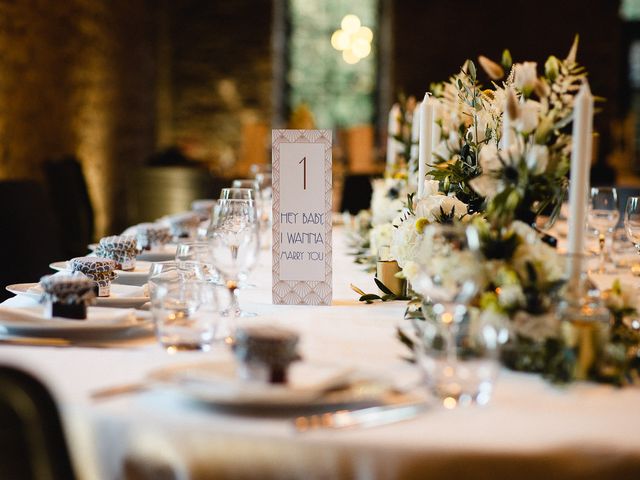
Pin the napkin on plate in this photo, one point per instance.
(96, 316)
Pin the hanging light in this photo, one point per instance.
(352, 39)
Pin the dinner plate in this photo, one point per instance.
(163, 253)
(122, 296)
(100, 322)
(216, 383)
(138, 276)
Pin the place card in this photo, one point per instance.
(302, 197)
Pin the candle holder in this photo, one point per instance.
(585, 319)
(386, 271)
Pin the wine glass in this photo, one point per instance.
(234, 244)
(234, 193)
(246, 183)
(456, 352)
(603, 217)
(632, 225)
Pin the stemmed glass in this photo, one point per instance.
(457, 353)
(603, 217)
(234, 243)
(632, 223)
(235, 193)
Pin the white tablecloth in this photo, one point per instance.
(529, 430)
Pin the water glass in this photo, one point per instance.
(459, 360)
(196, 252)
(186, 315)
(603, 216)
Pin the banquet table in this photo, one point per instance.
(530, 429)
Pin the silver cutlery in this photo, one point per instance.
(361, 418)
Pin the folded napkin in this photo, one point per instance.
(96, 316)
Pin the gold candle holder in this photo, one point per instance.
(588, 339)
(386, 270)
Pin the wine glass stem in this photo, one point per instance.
(601, 243)
(233, 310)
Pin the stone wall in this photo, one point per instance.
(219, 81)
(77, 77)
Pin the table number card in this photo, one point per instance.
(302, 197)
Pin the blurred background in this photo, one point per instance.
(114, 112)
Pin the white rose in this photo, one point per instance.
(526, 75)
(537, 158)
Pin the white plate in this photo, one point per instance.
(100, 322)
(217, 383)
(159, 254)
(138, 276)
(122, 296)
(163, 253)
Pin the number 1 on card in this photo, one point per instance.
(304, 174)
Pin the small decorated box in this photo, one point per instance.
(119, 248)
(184, 225)
(67, 295)
(204, 208)
(265, 353)
(100, 270)
(150, 235)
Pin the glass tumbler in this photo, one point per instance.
(459, 360)
(186, 315)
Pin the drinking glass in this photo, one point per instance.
(632, 223)
(232, 193)
(257, 168)
(246, 183)
(458, 354)
(186, 315)
(171, 272)
(197, 252)
(603, 217)
(234, 243)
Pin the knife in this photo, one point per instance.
(362, 418)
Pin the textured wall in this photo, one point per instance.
(77, 77)
(220, 80)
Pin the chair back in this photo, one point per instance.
(71, 204)
(29, 239)
(32, 441)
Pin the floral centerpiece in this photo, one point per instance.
(500, 158)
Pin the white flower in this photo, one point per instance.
(526, 75)
(535, 327)
(537, 158)
(488, 158)
(379, 236)
(432, 207)
(431, 186)
(387, 200)
(528, 116)
(511, 296)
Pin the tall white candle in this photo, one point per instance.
(507, 127)
(426, 140)
(392, 130)
(415, 138)
(580, 166)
